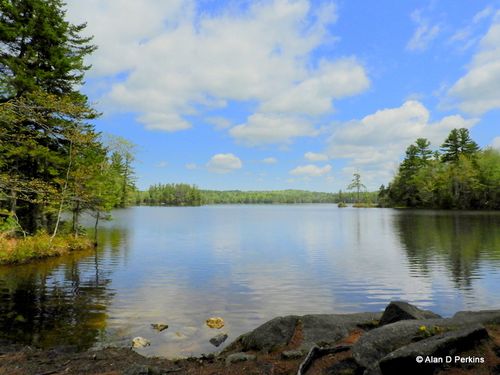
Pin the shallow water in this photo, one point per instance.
(248, 264)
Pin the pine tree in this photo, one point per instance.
(458, 143)
(41, 62)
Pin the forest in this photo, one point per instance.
(190, 195)
(457, 176)
(52, 160)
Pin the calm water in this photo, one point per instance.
(248, 264)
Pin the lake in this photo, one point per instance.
(248, 264)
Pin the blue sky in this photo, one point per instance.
(289, 94)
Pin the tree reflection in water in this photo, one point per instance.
(458, 241)
(59, 301)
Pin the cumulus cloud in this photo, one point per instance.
(311, 170)
(477, 91)
(313, 156)
(270, 160)
(272, 128)
(167, 60)
(191, 166)
(224, 163)
(162, 164)
(314, 95)
(424, 34)
(376, 142)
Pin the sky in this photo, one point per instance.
(289, 94)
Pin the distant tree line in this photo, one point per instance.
(170, 195)
(459, 176)
(190, 195)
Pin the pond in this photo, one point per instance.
(247, 264)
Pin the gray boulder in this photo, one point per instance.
(323, 329)
(218, 339)
(480, 317)
(270, 335)
(399, 310)
(376, 344)
(439, 346)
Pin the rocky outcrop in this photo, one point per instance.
(438, 346)
(399, 310)
(310, 344)
(323, 329)
(384, 343)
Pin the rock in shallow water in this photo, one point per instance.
(216, 322)
(219, 339)
(140, 342)
(159, 326)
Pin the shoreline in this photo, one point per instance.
(41, 246)
(403, 337)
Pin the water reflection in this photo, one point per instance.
(460, 241)
(181, 265)
(59, 301)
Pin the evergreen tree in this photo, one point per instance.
(356, 185)
(40, 49)
(458, 143)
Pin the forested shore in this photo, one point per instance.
(191, 195)
(459, 175)
(52, 160)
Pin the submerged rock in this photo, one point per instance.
(216, 322)
(399, 310)
(140, 342)
(159, 326)
(219, 339)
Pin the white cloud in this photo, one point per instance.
(191, 166)
(376, 142)
(424, 34)
(224, 163)
(272, 128)
(270, 160)
(219, 122)
(311, 170)
(166, 59)
(313, 156)
(162, 164)
(495, 143)
(467, 37)
(314, 95)
(477, 91)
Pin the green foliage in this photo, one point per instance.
(187, 195)
(170, 195)
(40, 50)
(38, 246)
(458, 143)
(464, 177)
(356, 185)
(51, 158)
